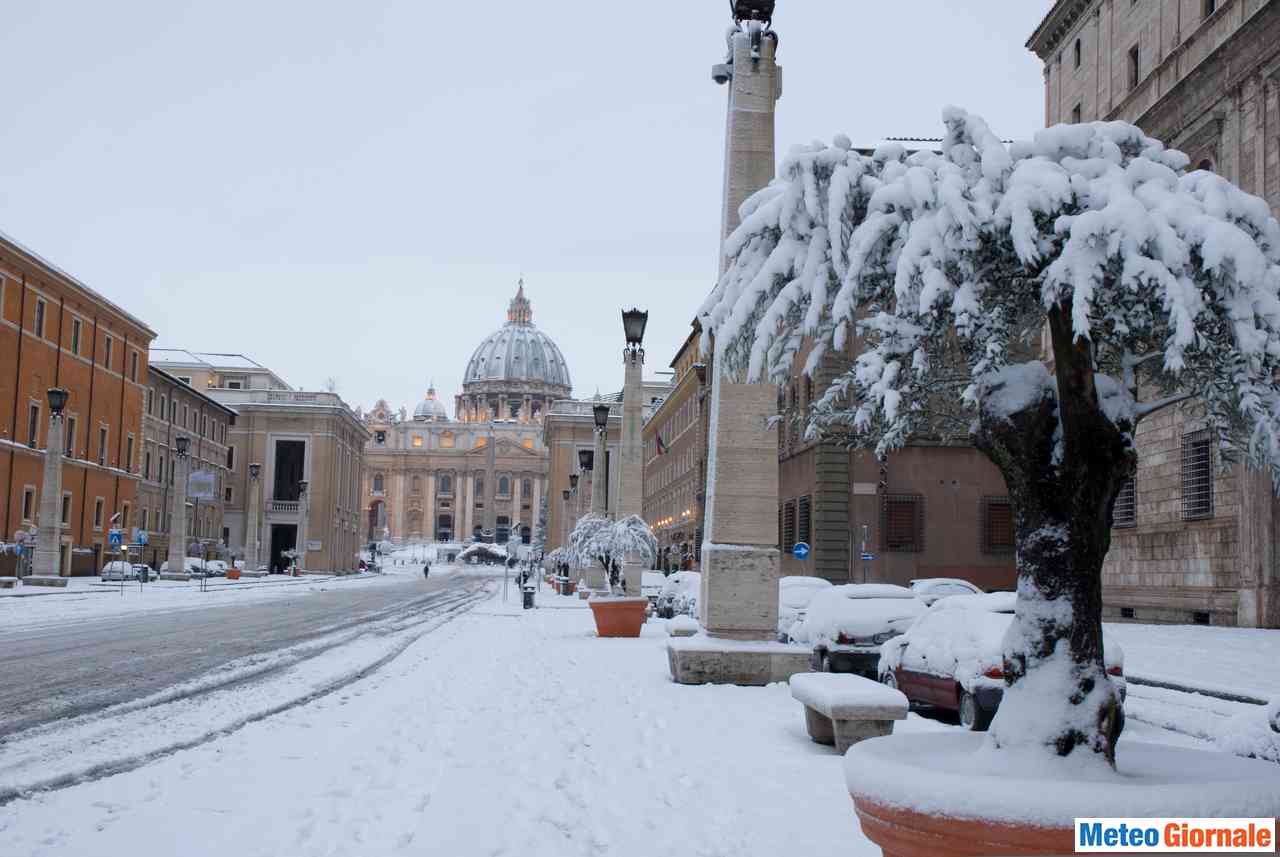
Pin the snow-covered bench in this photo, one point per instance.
(843, 709)
(8, 582)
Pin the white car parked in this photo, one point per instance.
(193, 566)
(680, 595)
(847, 624)
(119, 570)
(794, 594)
(931, 589)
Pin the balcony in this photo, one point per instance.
(283, 507)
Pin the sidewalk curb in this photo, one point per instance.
(1202, 691)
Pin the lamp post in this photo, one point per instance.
(304, 508)
(564, 515)
(178, 519)
(251, 523)
(49, 532)
(631, 493)
(600, 481)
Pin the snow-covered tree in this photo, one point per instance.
(596, 538)
(943, 275)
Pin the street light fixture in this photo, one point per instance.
(586, 459)
(634, 322)
(601, 415)
(57, 400)
(573, 481)
(255, 469)
(183, 444)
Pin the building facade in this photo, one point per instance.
(675, 460)
(569, 428)
(1192, 543)
(482, 475)
(294, 437)
(57, 332)
(173, 408)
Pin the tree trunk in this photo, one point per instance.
(1064, 462)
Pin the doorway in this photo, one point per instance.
(284, 537)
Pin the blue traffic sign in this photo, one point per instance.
(800, 551)
(139, 536)
(116, 538)
(867, 557)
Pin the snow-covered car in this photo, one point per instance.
(794, 595)
(651, 583)
(119, 570)
(680, 594)
(931, 589)
(952, 658)
(846, 625)
(216, 568)
(192, 566)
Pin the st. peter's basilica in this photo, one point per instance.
(482, 474)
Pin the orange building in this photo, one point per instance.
(57, 332)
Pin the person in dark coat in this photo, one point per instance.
(426, 569)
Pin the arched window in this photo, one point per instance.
(526, 488)
(446, 484)
(377, 483)
(504, 487)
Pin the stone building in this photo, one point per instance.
(1192, 543)
(675, 460)
(57, 332)
(482, 475)
(294, 437)
(174, 408)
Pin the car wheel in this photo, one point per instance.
(890, 680)
(972, 717)
(824, 663)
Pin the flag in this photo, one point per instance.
(662, 447)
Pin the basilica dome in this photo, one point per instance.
(431, 409)
(515, 372)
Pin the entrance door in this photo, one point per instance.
(284, 537)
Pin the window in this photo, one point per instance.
(479, 485)
(173, 411)
(526, 489)
(416, 485)
(97, 513)
(106, 360)
(803, 520)
(66, 507)
(1126, 508)
(1197, 475)
(1200, 618)
(128, 454)
(1075, 53)
(38, 327)
(1128, 613)
(446, 484)
(71, 437)
(902, 523)
(33, 425)
(380, 437)
(151, 400)
(231, 458)
(504, 487)
(102, 445)
(997, 525)
(186, 379)
(146, 465)
(28, 503)
(204, 426)
(788, 526)
(133, 366)
(377, 483)
(186, 416)
(1075, 114)
(1134, 67)
(124, 516)
(234, 385)
(144, 518)
(75, 336)
(1210, 6)
(226, 495)
(417, 441)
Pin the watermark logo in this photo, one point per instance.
(1176, 835)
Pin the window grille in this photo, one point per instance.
(804, 526)
(1126, 508)
(1197, 475)
(997, 525)
(789, 526)
(902, 523)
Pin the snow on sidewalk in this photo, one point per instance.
(1231, 660)
(502, 732)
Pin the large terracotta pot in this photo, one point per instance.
(619, 617)
(904, 832)
(233, 574)
(953, 794)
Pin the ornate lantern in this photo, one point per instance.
(633, 325)
(601, 415)
(57, 400)
(182, 443)
(753, 10)
(255, 469)
(586, 458)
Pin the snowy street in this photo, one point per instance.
(469, 728)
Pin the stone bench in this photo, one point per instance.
(843, 709)
(174, 575)
(8, 582)
(260, 573)
(45, 580)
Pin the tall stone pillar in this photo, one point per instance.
(516, 499)
(631, 487)
(178, 523)
(491, 485)
(252, 525)
(600, 475)
(468, 505)
(740, 560)
(429, 515)
(49, 528)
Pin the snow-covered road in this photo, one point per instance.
(496, 732)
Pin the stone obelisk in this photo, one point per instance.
(740, 561)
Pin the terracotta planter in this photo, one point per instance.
(908, 833)
(618, 617)
(953, 795)
(233, 574)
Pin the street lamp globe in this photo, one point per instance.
(573, 481)
(57, 400)
(182, 443)
(600, 413)
(565, 494)
(586, 458)
(633, 325)
(255, 469)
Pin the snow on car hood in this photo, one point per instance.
(836, 611)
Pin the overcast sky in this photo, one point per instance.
(352, 189)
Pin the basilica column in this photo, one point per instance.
(468, 504)
(535, 505)
(491, 485)
(516, 519)
(429, 509)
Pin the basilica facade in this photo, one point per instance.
(480, 475)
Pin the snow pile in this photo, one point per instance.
(1254, 734)
(683, 625)
(859, 611)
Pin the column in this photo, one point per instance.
(535, 505)
(491, 484)
(178, 526)
(517, 519)
(740, 561)
(49, 527)
(468, 508)
(600, 475)
(252, 528)
(631, 471)
(429, 509)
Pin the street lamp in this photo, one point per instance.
(573, 482)
(634, 322)
(600, 413)
(49, 533)
(586, 458)
(599, 482)
(251, 525)
(178, 515)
